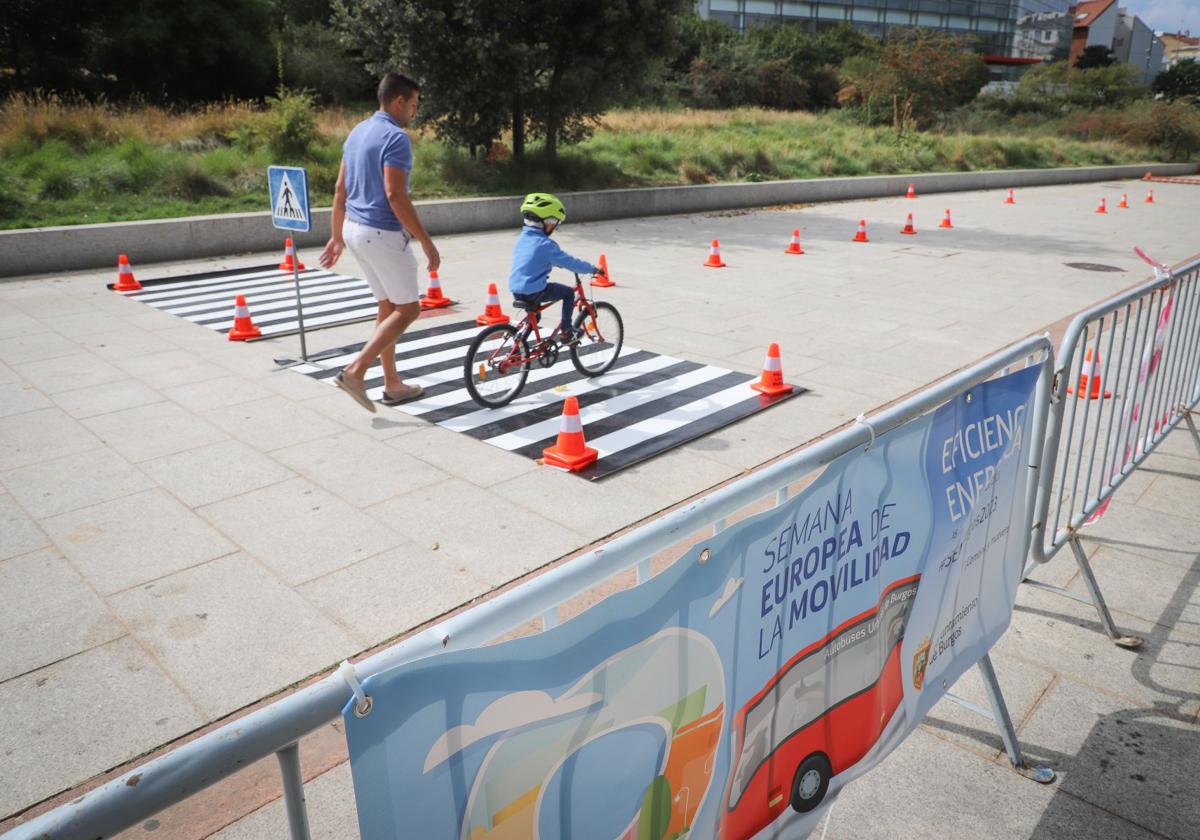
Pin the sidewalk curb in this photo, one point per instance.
(73, 247)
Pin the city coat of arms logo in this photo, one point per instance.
(920, 660)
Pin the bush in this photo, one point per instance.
(287, 129)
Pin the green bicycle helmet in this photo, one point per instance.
(542, 206)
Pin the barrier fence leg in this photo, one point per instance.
(293, 791)
(1089, 579)
(1041, 774)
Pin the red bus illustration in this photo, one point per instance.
(820, 714)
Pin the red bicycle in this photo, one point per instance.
(499, 359)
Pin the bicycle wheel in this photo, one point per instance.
(603, 335)
(493, 377)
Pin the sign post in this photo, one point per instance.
(290, 211)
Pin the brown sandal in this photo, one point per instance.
(409, 392)
(359, 393)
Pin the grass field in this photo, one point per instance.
(78, 163)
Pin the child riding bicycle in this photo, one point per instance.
(535, 255)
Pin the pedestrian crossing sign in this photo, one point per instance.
(289, 197)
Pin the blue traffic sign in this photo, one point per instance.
(289, 197)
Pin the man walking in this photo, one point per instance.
(374, 217)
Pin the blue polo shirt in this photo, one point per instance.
(534, 255)
(376, 142)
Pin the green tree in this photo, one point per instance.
(1181, 80)
(1095, 56)
(200, 50)
(549, 69)
(915, 77)
(1102, 86)
(46, 44)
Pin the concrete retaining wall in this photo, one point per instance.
(43, 250)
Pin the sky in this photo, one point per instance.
(1166, 15)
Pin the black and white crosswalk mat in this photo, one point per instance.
(330, 299)
(646, 404)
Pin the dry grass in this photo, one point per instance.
(643, 122)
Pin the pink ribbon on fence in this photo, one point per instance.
(1132, 408)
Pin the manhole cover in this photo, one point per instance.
(1093, 267)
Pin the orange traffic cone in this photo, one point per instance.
(1149, 197)
(1103, 208)
(602, 279)
(908, 229)
(125, 279)
(1090, 370)
(1009, 199)
(912, 191)
(570, 452)
(946, 223)
(289, 257)
(771, 382)
(492, 314)
(433, 297)
(1124, 205)
(714, 256)
(243, 327)
(861, 236)
(794, 246)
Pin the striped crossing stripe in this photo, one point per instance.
(207, 299)
(646, 404)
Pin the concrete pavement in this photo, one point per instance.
(188, 529)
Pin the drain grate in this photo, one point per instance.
(1093, 267)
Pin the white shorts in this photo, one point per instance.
(387, 259)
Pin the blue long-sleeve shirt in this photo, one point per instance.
(533, 256)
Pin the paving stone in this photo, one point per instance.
(18, 533)
(65, 484)
(1131, 761)
(170, 368)
(195, 624)
(1065, 636)
(129, 342)
(68, 721)
(1149, 589)
(214, 472)
(41, 436)
(358, 469)
(1174, 495)
(393, 592)
(385, 424)
(489, 536)
(47, 613)
(593, 509)
(272, 423)
(216, 393)
(32, 347)
(930, 790)
(119, 544)
(67, 373)
(331, 812)
(19, 397)
(152, 431)
(1146, 532)
(679, 474)
(462, 455)
(107, 398)
(301, 531)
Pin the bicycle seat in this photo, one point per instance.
(527, 305)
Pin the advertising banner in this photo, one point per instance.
(736, 692)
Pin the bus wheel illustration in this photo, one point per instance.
(811, 782)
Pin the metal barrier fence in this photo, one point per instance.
(1128, 372)
(277, 728)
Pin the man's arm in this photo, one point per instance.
(336, 245)
(395, 183)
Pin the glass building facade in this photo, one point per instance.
(1009, 33)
